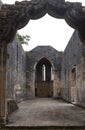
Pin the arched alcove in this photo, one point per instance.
(43, 80)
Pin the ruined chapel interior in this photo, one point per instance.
(43, 71)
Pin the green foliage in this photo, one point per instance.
(23, 39)
(26, 53)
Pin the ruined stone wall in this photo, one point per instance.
(16, 71)
(33, 57)
(0, 4)
(73, 71)
(69, 60)
(81, 77)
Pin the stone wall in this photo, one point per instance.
(81, 77)
(0, 4)
(33, 57)
(16, 71)
(73, 71)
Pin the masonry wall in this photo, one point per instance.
(73, 71)
(0, 4)
(81, 77)
(33, 57)
(16, 71)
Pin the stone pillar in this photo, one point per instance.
(3, 85)
(56, 85)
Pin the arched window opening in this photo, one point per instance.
(43, 72)
(43, 84)
(52, 75)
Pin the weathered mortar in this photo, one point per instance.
(69, 60)
(34, 57)
(16, 71)
(74, 60)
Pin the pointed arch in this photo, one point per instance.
(46, 59)
(43, 78)
(44, 69)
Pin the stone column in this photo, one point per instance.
(3, 85)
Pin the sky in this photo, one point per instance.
(47, 31)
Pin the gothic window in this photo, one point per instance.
(44, 71)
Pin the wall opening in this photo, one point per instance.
(44, 79)
(73, 85)
(43, 72)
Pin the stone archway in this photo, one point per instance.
(44, 81)
(15, 17)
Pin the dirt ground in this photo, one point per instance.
(47, 112)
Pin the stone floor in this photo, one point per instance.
(47, 112)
